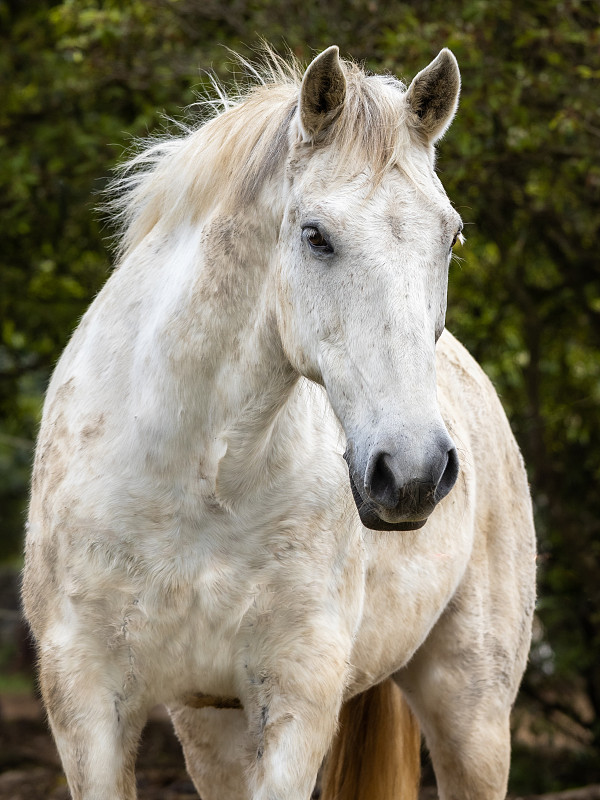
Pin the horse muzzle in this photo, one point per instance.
(391, 494)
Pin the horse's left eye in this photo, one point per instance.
(318, 243)
(315, 238)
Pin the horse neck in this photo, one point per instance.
(219, 379)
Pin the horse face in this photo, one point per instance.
(361, 303)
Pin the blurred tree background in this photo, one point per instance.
(81, 78)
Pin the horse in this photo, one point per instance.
(270, 490)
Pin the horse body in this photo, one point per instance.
(193, 525)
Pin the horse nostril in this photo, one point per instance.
(380, 481)
(386, 486)
(449, 475)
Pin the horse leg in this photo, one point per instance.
(291, 692)
(214, 744)
(96, 726)
(461, 684)
(289, 738)
(219, 750)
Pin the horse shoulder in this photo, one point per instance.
(500, 576)
(468, 396)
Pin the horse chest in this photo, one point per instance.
(193, 608)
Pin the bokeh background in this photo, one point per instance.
(79, 80)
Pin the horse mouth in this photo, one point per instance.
(371, 519)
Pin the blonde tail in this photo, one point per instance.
(376, 753)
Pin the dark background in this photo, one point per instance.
(79, 79)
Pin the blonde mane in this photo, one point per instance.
(229, 158)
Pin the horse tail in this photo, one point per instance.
(376, 752)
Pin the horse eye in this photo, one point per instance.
(458, 237)
(319, 243)
(315, 238)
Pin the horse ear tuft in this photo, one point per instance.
(433, 95)
(322, 93)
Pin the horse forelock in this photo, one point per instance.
(227, 160)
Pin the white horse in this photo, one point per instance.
(241, 501)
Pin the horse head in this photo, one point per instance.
(363, 256)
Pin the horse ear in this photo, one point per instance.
(433, 95)
(322, 93)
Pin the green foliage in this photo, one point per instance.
(81, 77)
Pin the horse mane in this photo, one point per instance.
(229, 157)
